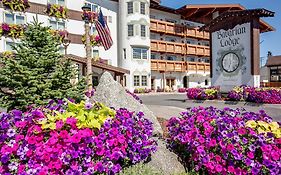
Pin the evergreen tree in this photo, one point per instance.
(37, 71)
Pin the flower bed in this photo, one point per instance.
(16, 5)
(12, 30)
(213, 141)
(94, 39)
(57, 11)
(142, 90)
(73, 139)
(182, 90)
(256, 95)
(203, 93)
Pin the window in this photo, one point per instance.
(94, 7)
(171, 57)
(152, 36)
(136, 80)
(60, 2)
(206, 82)
(130, 7)
(143, 30)
(142, 8)
(153, 56)
(124, 53)
(96, 54)
(57, 25)
(144, 80)
(130, 30)
(14, 19)
(9, 46)
(140, 53)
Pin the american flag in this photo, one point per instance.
(103, 31)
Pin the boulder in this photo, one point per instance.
(111, 93)
(166, 161)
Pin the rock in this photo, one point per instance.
(166, 161)
(112, 94)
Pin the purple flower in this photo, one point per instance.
(11, 132)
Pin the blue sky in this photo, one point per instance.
(271, 41)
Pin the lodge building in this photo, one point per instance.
(155, 46)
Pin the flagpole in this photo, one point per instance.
(88, 51)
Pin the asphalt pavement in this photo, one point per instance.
(168, 105)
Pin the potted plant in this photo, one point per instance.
(16, 5)
(57, 11)
(89, 16)
(61, 34)
(94, 39)
(11, 30)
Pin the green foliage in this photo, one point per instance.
(37, 72)
(88, 115)
(140, 169)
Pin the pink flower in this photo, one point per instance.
(59, 124)
(53, 140)
(213, 142)
(218, 168)
(275, 155)
(31, 140)
(230, 147)
(19, 137)
(71, 121)
(20, 124)
(231, 169)
(75, 138)
(64, 134)
(242, 131)
(251, 155)
(218, 158)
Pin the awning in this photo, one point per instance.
(97, 64)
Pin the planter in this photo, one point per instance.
(89, 16)
(11, 30)
(61, 34)
(16, 5)
(57, 11)
(95, 40)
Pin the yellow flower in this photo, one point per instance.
(274, 126)
(251, 124)
(261, 130)
(264, 125)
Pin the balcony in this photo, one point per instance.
(179, 48)
(176, 29)
(179, 66)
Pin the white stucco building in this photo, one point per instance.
(155, 47)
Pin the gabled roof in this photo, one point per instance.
(273, 61)
(237, 14)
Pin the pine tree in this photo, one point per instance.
(37, 71)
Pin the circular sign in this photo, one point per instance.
(230, 62)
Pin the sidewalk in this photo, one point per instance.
(165, 112)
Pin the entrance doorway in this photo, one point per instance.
(185, 82)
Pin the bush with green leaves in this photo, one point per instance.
(37, 71)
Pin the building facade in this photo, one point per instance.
(156, 47)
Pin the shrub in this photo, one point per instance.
(140, 169)
(203, 93)
(142, 90)
(182, 90)
(59, 139)
(228, 141)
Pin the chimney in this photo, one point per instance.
(269, 54)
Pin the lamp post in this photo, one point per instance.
(86, 9)
(66, 42)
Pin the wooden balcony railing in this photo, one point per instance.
(176, 29)
(179, 48)
(179, 66)
(271, 84)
